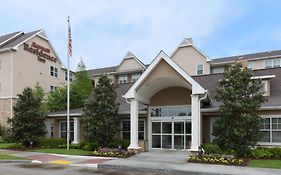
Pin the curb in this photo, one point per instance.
(15, 161)
(155, 170)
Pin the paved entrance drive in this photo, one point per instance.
(162, 156)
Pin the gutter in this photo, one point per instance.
(199, 106)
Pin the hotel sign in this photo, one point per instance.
(43, 53)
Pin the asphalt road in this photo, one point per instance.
(49, 169)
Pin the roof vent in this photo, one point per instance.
(189, 40)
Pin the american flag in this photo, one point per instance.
(69, 38)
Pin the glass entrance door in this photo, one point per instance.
(171, 134)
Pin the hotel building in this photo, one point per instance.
(25, 60)
(170, 103)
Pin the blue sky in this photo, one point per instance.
(104, 30)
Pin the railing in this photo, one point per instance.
(168, 111)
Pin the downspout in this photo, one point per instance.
(199, 106)
(12, 81)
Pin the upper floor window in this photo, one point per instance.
(52, 88)
(272, 63)
(265, 87)
(70, 76)
(217, 70)
(250, 65)
(276, 63)
(199, 70)
(122, 79)
(135, 77)
(53, 71)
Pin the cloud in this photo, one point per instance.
(104, 30)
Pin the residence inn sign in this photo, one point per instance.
(42, 52)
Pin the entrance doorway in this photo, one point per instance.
(171, 134)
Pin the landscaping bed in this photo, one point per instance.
(107, 152)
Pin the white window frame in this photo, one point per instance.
(270, 130)
(54, 72)
(60, 131)
(144, 128)
(266, 88)
(199, 70)
(70, 76)
(218, 70)
(251, 65)
(276, 65)
(271, 64)
(135, 74)
(123, 81)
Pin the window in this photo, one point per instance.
(265, 87)
(276, 63)
(52, 88)
(250, 65)
(126, 126)
(122, 79)
(70, 75)
(52, 130)
(170, 111)
(135, 77)
(199, 69)
(217, 70)
(268, 64)
(63, 129)
(270, 128)
(53, 71)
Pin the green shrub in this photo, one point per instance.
(212, 148)
(276, 152)
(91, 146)
(71, 146)
(16, 146)
(82, 144)
(50, 142)
(116, 143)
(259, 153)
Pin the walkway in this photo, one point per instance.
(175, 162)
(87, 161)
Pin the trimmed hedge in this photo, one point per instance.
(51, 142)
(212, 148)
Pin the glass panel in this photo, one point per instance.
(172, 111)
(153, 112)
(182, 111)
(276, 136)
(268, 63)
(63, 134)
(125, 125)
(187, 142)
(265, 136)
(158, 112)
(156, 127)
(164, 112)
(141, 135)
(156, 141)
(167, 127)
(276, 63)
(63, 126)
(267, 123)
(141, 125)
(166, 141)
(188, 127)
(179, 142)
(71, 125)
(274, 125)
(179, 127)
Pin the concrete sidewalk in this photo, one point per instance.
(74, 160)
(175, 162)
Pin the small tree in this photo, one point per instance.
(28, 122)
(80, 89)
(100, 121)
(241, 97)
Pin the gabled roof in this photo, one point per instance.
(128, 56)
(104, 70)
(5, 38)
(187, 42)
(251, 56)
(196, 88)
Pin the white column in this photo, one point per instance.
(195, 123)
(76, 130)
(134, 107)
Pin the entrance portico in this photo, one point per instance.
(174, 130)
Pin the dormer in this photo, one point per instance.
(190, 58)
(265, 83)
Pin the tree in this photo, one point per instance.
(241, 97)
(28, 122)
(80, 89)
(100, 121)
(40, 94)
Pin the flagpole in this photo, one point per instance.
(68, 89)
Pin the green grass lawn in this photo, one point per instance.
(64, 151)
(10, 157)
(5, 145)
(265, 163)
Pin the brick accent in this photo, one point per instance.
(5, 111)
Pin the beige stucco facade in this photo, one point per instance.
(188, 58)
(129, 64)
(21, 68)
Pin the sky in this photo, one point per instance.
(103, 31)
